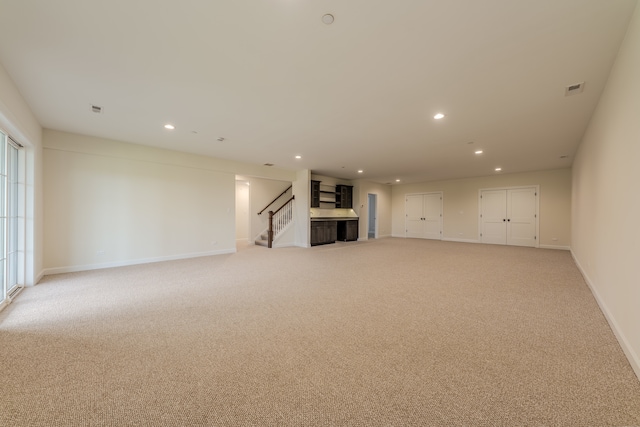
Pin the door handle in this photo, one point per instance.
(509, 220)
(503, 219)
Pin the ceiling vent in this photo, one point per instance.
(574, 89)
(96, 109)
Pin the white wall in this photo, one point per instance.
(17, 120)
(302, 203)
(109, 203)
(461, 210)
(606, 199)
(242, 210)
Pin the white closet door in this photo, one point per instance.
(494, 217)
(432, 214)
(413, 209)
(521, 217)
(424, 216)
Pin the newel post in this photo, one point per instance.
(270, 232)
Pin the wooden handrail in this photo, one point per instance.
(274, 200)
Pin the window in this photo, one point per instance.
(11, 218)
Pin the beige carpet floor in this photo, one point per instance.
(393, 332)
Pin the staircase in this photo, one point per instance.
(263, 239)
(279, 221)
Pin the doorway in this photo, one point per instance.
(372, 225)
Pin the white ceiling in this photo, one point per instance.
(275, 81)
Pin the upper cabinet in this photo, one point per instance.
(329, 196)
(344, 196)
(315, 194)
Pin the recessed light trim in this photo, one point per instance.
(328, 19)
(360, 171)
(169, 126)
(298, 157)
(220, 139)
(479, 151)
(498, 169)
(438, 116)
(397, 180)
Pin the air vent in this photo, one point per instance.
(574, 89)
(96, 109)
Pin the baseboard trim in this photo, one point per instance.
(4, 304)
(453, 239)
(87, 267)
(562, 248)
(38, 277)
(634, 359)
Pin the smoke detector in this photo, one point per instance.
(574, 89)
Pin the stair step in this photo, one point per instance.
(262, 243)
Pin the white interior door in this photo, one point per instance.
(432, 214)
(509, 216)
(424, 216)
(413, 209)
(493, 217)
(521, 217)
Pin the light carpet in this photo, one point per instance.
(392, 332)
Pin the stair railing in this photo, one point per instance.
(279, 219)
(274, 200)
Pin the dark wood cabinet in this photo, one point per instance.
(323, 232)
(315, 194)
(348, 230)
(344, 196)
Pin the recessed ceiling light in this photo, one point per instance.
(328, 19)
(564, 157)
(438, 116)
(397, 180)
(220, 139)
(498, 169)
(298, 157)
(360, 171)
(169, 126)
(479, 151)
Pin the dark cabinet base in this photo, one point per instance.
(348, 231)
(325, 232)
